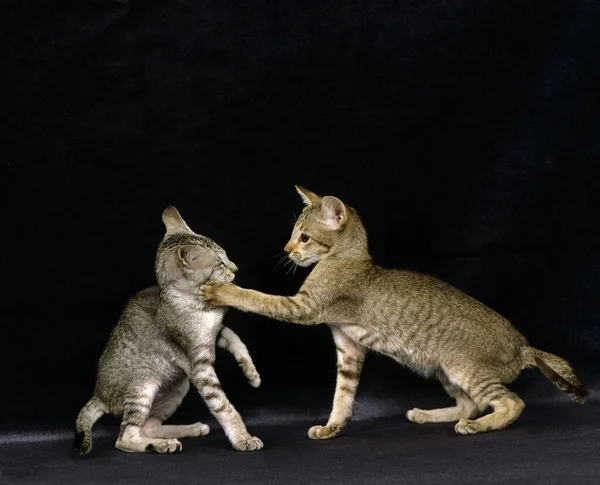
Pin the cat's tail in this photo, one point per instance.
(560, 372)
(89, 414)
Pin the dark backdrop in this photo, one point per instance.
(466, 134)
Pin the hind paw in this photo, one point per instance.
(468, 426)
(165, 446)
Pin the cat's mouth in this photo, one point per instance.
(304, 262)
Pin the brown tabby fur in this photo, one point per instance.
(417, 320)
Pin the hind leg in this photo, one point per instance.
(164, 406)
(506, 405)
(465, 408)
(136, 410)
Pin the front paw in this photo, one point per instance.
(248, 444)
(324, 432)
(212, 294)
(250, 372)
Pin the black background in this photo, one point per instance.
(465, 133)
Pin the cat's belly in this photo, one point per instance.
(402, 352)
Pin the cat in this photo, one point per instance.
(416, 319)
(164, 339)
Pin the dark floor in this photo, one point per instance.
(553, 444)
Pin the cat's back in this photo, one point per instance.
(136, 321)
(424, 294)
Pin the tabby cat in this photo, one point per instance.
(164, 339)
(417, 320)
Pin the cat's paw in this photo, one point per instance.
(199, 429)
(323, 432)
(416, 415)
(164, 446)
(254, 380)
(250, 372)
(211, 294)
(248, 444)
(468, 426)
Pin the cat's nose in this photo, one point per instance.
(288, 247)
(233, 267)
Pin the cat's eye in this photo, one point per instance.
(304, 237)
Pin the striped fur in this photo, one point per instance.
(164, 340)
(417, 320)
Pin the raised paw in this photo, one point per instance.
(214, 294)
(468, 426)
(206, 293)
(250, 372)
(254, 381)
(323, 432)
(416, 415)
(199, 429)
(250, 444)
(165, 446)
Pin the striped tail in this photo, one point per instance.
(560, 372)
(89, 414)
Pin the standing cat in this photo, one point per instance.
(164, 339)
(417, 320)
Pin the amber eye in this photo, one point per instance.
(304, 237)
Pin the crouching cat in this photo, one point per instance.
(164, 339)
(417, 320)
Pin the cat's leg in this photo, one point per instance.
(465, 408)
(350, 358)
(230, 341)
(300, 308)
(204, 377)
(163, 408)
(506, 407)
(136, 409)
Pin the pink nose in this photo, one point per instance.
(288, 247)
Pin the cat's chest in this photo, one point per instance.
(207, 322)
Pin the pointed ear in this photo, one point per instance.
(173, 220)
(334, 212)
(308, 197)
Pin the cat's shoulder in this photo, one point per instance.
(147, 299)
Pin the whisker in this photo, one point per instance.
(282, 261)
(290, 268)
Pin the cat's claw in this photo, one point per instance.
(251, 444)
(323, 432)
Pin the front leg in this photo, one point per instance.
(205, 379)
(350, 358)
(300, 308)
(230, 341)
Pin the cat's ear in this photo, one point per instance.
(192, 257)
(333, 212)
(173, 220)
(308, 197)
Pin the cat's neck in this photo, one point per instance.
(183, 296)
(354, 244)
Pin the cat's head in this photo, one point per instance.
(189, 259)
(326, 227)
